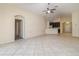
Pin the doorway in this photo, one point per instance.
(67, 27)
(18, 29)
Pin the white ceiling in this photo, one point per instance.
(63, 9)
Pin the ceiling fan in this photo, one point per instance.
(48, 10)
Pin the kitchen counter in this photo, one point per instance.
(52, 31)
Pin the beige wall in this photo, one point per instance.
(34, 25)
(64, 19)
(75, 24)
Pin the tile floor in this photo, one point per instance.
(47, 45)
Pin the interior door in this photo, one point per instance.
(17, 29)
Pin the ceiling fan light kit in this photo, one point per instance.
(48, 11)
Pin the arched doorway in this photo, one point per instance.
(19, 27)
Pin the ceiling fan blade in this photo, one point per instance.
(48, 3)
(56, 6)
(47, 8)
(53, 9)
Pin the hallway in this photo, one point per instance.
(47, 45)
